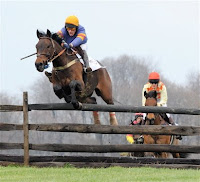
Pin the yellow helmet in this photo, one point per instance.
(71, 21)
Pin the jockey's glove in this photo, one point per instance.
(65, 44)
(71, 45)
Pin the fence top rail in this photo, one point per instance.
(102, 108)
(114, 108)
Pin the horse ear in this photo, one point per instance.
(39, 34)
(48, 33)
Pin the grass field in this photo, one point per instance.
(112, 174)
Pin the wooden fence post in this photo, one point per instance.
(26, 129)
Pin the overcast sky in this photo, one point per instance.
(165, 32)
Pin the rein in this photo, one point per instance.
(59, 54)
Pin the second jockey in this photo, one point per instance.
(154, 83)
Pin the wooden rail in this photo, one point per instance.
(105, 148)
(103, 108)
(107, 129)
(115, 108)
(102, 159)
(10, 108)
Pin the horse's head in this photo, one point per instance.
(150, 119)
(151, 100)
(45, 50)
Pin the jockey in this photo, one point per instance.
(74, 35)
(137, 121)
(154, 83)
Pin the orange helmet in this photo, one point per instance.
(154, 76)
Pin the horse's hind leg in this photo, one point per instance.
(96, 117)
(113, 119)
(175, 142)
(176, 155)
(164, 155)
(104, 90)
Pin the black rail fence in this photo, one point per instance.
(98, 161)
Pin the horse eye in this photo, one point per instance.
(48, 46)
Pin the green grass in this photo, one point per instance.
(112, 174)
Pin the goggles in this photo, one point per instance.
(154, 81)
(72, 29)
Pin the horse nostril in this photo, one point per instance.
(38, 64)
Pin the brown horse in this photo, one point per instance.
(68, 78)
(157, 119)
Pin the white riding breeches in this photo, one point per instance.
(84, 46)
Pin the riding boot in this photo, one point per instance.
(49, 75)
(179, 137)
(86, 62)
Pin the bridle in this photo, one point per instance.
(54, 54)
(151, 121)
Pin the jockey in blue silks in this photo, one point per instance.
(74, 35)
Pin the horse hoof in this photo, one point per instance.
(77, 105)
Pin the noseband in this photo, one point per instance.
(151, 121)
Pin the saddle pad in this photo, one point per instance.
(94, 64)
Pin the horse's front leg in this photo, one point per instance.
(60, 93)
(74, 86)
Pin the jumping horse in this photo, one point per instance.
(157, 119)
(68, 78)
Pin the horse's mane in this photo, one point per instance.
(56, 38)
(49, 34)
